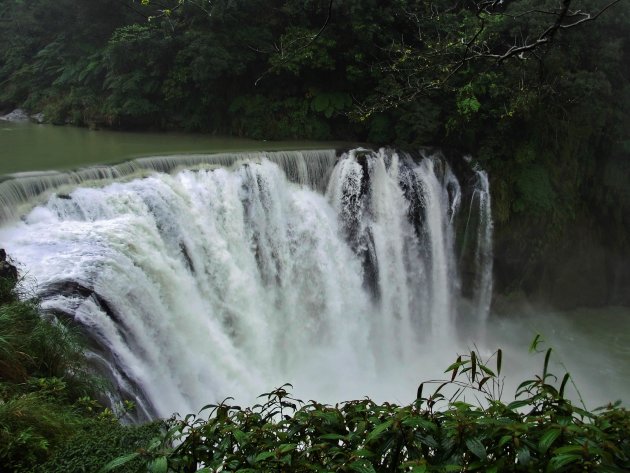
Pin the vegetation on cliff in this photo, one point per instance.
(49, 420)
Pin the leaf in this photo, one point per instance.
(484, 381)
(535, 342)
(240, 436)
(568, 449)
(262, 456)
(379, 430)
(453, 468)
(159, 465)
(287, 447)
(499, 360)
(419, 469)
(548, 439)
(516, 404)
(455, 367)
(332, 437)
(546, 365)
(363, 452)
(362, 466)
(419, 392)
(476, 447)
(118, 462)
(560, 461)
(523, 456)
(565, 379)
(419, 422)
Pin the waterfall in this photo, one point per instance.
(23, 189)
(340, 278)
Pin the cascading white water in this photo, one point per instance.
(483, 251)
(311, 168)
(229, 282)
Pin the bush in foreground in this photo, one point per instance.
(540, 431)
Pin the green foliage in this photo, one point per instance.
(97, 442)
(539, 431)
(260, 117)
(535, 191)
(31, 426)
(467, 103)
(305, 52)
(44, 384)
(330, 103)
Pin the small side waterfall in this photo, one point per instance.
(227, 281)
(483, 250)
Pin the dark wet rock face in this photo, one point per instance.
(7, 270)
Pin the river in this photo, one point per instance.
(31, 147)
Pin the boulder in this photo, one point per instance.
(17, 115)
(7, 270)
(38, 117)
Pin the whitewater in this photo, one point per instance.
(345, 276)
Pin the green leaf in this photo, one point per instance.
(560, 461)
(523, 456)
(379, 430)
(516, 404)
(363, 452)
(118, 462)
(568, 449)
(499, 360)
(419, 392)
(419, 469)
(362, 466)
(159, 465)
(535, 342)
(476, 447)
(548, 439)
(565, 379)
(546, 365)
(453, 468)
(419, 422)
(287, 447)
(332, 437)
(262, 456)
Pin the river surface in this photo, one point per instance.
(31, 147)
(592, 344)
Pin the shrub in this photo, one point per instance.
(540, 431)
(98, 442)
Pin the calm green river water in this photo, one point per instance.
(30, 147)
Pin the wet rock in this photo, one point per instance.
(17, 115)
(7, 270)
(38, 117)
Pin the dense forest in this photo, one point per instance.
(537, 91)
